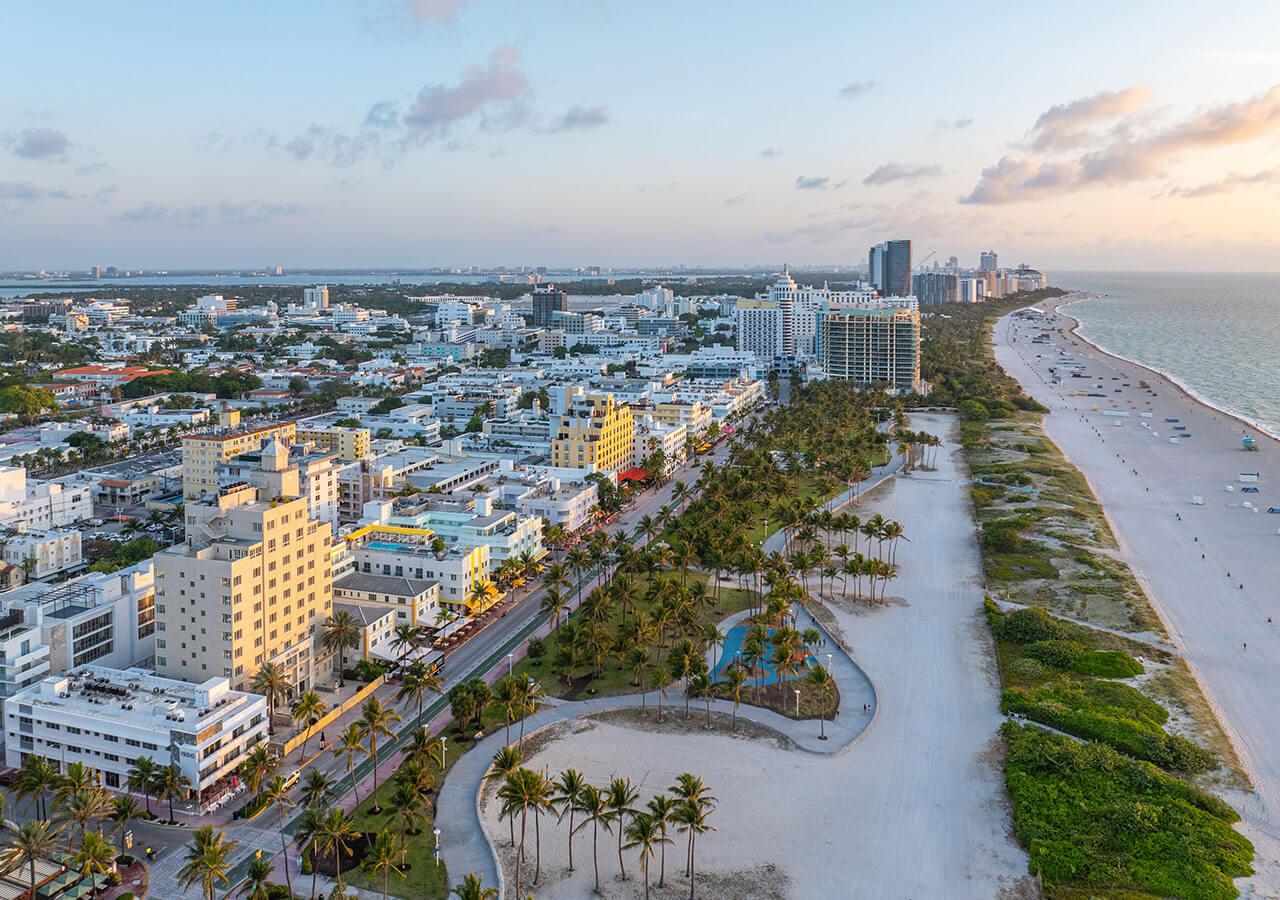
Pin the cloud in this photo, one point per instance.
(736, 199)
(40, 143)
(770, 152)
(437, 106)
(26, 192)
(1132, 152)
(1229, 184)
(579, 117)
(442, 11)
(1065, 125)
(812, 183)
(856, 89)
(891, 172)
(953, 124)
(253, 212)
(382, 115)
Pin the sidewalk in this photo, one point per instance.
(465, 846)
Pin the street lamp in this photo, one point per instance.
(797, 703)
(509, 655)
(442, 756)
(437, 848)
(828, 662)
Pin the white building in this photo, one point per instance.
(45, 553)
(316, 298)
(108, 718)
(651, 435)
(760, 328)
(41, 504)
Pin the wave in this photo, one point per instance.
(1168, 376)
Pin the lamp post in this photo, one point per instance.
(828, 662)
(797, 703)
(509, 655)
(443, 764)
(437, 847)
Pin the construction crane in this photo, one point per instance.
(925, 260)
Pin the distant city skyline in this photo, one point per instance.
(420, 133)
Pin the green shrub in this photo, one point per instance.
(1001, 535)
(1091, 818)
(364, 670)
(1056, 654)
(1114, 714)
(537, 648)
(1028, 625)
(1028, 669)
(973, 411)
(1108, 664)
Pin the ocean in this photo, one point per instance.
(1217, 335)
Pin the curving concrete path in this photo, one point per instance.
(465, 845)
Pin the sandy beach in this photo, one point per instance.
(1210, 567)
(914, 808)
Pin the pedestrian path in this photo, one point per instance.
(464, 843)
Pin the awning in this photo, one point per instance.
(633, 474)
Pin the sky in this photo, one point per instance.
(417, 133)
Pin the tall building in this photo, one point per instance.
(349, 443)
(799, 305)
(871, 346)
(547, 301)
(316, 297)
(759, 328)
(988, 261)
(317, 470)
(97, 272)
(595, 432)
(203, 454)
(936, 288)
(251, 584)
(890, 266)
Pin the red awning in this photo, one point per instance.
(633, 474)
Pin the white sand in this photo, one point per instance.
(1208, 616)
(914, 809)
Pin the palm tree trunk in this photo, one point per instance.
(313, 869)
(537, 843)
(284, 850)
(571, 837)
(352, 772)
(595, 854)
(692, 837)
(621, 866)
(662, 870)
(373, 745)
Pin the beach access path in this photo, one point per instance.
(1191, 558)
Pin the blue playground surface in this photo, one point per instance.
(734, 639)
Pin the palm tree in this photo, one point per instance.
(736, 679)
(257, 879)
(531, 696)
(123, 811)
(689, 789)
(645, 833)
(518, 794)
(259, 764)
(317, 790)
(660, 680)
(36, 776)
(171, 783)
(691, 817)
(620, 797)
(376, 721)
(78, 777)
(382, 857)
(407, 639)
(272, 683)
(138, 779)
(554, 604)
(83, 807)
(507, 697)
(206, 861)
(416, 681)
(277, 792)
(594, 806)
(470, 888)
(33, 840)
(308, 710)
(95, 855)
(348, 744)
(307, 836)
(568, 790)
(506, 762)
(335, 834)
(662, 809)
(406, 808)
(341, 632)
(704, 686)
(823, 680)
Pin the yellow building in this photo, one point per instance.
(250, 585)
(349, 443)
(596, 431)
(693, 416)
(202, 454)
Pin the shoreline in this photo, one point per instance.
(1059, 306)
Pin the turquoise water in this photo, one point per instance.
(734, 638)
(1218, 335)
(387, 545)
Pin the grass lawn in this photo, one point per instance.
(613, 679)
(423, 879)
(782, 699)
